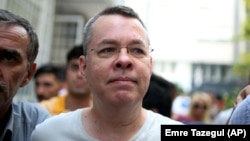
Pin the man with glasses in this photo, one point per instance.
(117, 66)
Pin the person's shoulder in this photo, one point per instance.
(241, 114)
(224, 114)
(23, 107)
(63, 118)
(29, 111)
(66, 121)
(244, 106)
(69, 122)
(226, 111)
(162, 119)
(53, 100)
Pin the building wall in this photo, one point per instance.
(184, 33)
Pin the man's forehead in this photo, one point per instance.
(13, 36)
(19, 31)
(110, 18)
(46, 75)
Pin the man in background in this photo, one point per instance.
(160, 95)
(49, 81)
(78, 94)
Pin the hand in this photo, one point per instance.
(242, 95)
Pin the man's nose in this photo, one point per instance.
(123, 59)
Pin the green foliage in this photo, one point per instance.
(246, 28)
(179, 89)
(242, 66)
(247, 5)
(230, 98)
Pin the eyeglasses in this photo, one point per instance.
(134, 51)
(199, 106)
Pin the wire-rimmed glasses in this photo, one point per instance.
(113, 51)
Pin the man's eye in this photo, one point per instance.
(108, 50)
(7, 58)
(10, 56)
(137, 51)
(47, 85)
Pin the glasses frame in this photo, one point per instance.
(116, 54)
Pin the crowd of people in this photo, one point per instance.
(107, 89)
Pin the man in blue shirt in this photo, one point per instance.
(18, 51)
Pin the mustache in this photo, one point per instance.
(3, 87)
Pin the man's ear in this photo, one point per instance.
(82, 66)
(31, 70)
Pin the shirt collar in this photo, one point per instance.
(9, 127)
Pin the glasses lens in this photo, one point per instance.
(134, 51)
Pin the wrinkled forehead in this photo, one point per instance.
(13, 29)
(14, 37)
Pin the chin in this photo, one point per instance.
(123, 98)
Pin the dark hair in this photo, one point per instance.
(160, 95)
(75, 52)
(56, 69)
(7, 17)
(119, 10)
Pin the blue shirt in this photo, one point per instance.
(241, 114)
(23, 120)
